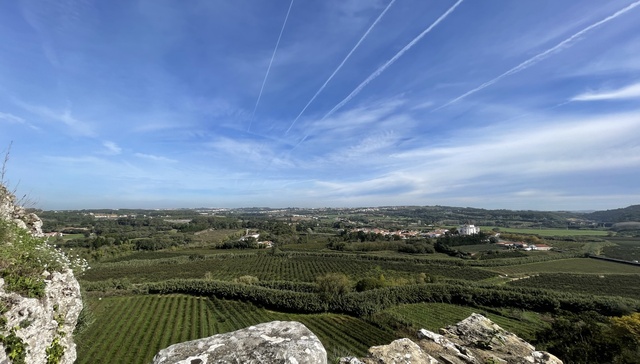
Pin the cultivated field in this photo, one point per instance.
(549, 232)
(132, 329)
(574, 265)
(267, 267)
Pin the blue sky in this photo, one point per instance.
(525, 104)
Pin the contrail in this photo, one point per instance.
(379, 71)
(340, 66)
(535, 59)
(269, 68)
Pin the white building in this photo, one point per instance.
(468, 230)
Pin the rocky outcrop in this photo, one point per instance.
(37, 330)
(47, 322)
(475, 340)
(10, 210)
(272, 342)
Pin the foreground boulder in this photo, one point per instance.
(475, 340)
(271, 342)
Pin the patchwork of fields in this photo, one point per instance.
(145, 323)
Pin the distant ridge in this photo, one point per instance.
(626, 214)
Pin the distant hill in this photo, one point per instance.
(631, 213)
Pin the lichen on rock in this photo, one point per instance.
(271, 342)
(474, 340)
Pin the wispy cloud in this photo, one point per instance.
(275, 49)
(382, 68)
(155, 158)
(76, 126)
(340, 65)
(11, 118)
(513, 153)
(257, 155)
(627, 92)
(110, 148)
(540, 56)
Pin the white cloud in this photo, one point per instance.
(155, 158)
(77, 126)
(506, 153)
(627, 92)
(111, 148)
(543, 55)
(11, 118)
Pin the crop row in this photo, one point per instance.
(432, 316)
(277, 268)
(575, 265)
(146, 324)
(625, 285)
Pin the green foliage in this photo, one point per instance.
(585, 338)
(28, 286)
(626, 285)
(247, 279)
(339, 299)
(55, 351)
(366, 284)
(333, 285)
(291, 266)
(14, 347)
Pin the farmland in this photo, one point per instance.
(433, 316)
(549, 232)
(146, 324)
(267, 267)
(627, 285)
(176, 277)
(574, 265)
(624, 248)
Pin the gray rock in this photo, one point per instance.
(40, 321)
(475, 340)
(272, 342)
(401, 351)
(11, 211)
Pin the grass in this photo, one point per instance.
(625, 285)
(573, 265)
(146, 324)
(433, 316)
(624, 248)
(24, 257)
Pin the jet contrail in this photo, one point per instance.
(379, 71)
(269, 68)
(340, 66)
(535, 59)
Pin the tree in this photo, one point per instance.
(332, 285)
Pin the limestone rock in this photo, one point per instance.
(401, 351)
(475, 340)
(11, 211)
(271, 342)
(40, 321)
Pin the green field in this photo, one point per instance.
(132, 329)
(433, 316)
(549, 232)
(574, 265)
(267, 267)
(624, 248)
(625, 285)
